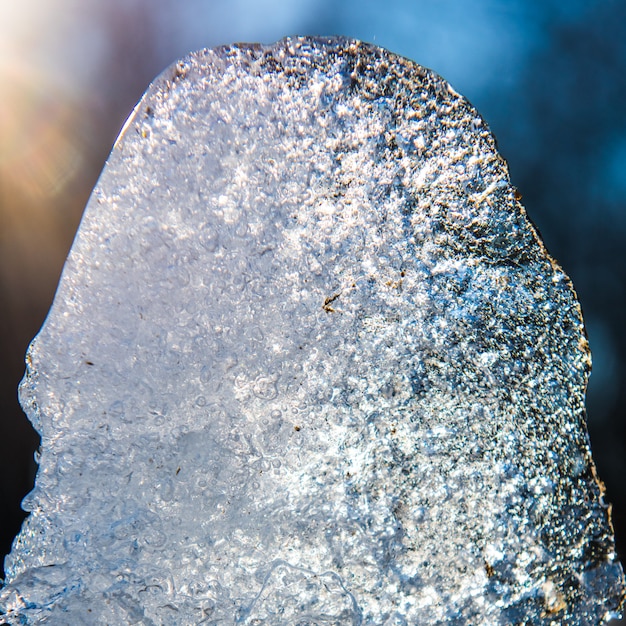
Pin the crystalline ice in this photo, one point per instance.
(309, 363)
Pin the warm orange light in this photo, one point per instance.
(37, 153)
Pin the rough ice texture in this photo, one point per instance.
(309, 363)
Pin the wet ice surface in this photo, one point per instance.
(309, 363)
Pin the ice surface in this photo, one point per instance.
(309, 363)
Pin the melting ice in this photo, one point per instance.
(309, 362)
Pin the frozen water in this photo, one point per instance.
(309, 363)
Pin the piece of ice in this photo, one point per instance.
(309, 363)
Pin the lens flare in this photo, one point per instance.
(38, 154)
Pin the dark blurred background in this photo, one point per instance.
(549, 77)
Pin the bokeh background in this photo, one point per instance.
(549, 77)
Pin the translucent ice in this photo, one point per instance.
(309, 363)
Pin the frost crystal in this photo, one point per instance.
(309, 363)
